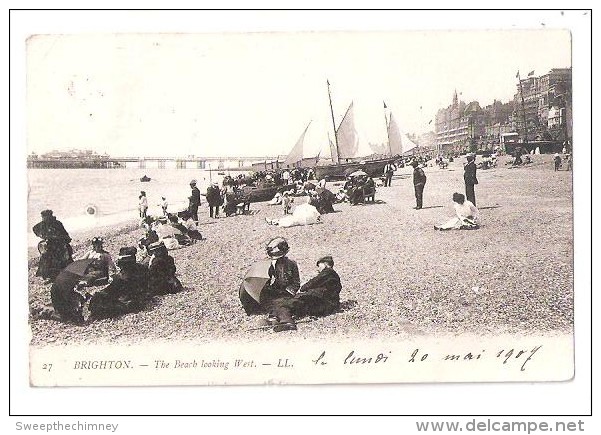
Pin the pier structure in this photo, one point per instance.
(190, 162)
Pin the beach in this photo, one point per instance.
(400, 277)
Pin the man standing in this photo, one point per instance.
(469, 176)
(285, 177)
(557, 161)
(214, 199)
(388, 171)
(419, 182)
(194, 201)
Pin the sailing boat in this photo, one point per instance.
(344, 151)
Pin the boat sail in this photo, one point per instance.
(347, 137)
(346, 153)
(395, 140)
(398, 142)
(295, 157)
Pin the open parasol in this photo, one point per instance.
(255, 279)
(66, 301)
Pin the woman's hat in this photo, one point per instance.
(46, 213)
(277, 247)
(193, 183)
(414, 163)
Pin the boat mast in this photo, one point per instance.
(333, 124)
(387, 130)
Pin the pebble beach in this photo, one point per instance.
(400, 277)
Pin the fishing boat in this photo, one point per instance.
(345, 152)
(264, 192)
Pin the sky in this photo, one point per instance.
(253, 94)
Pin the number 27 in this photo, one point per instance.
(47, 366)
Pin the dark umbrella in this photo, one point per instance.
(66, 301)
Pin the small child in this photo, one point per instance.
(287, 202)
(164, 204)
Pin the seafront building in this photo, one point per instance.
(546, 107)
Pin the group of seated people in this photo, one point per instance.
(282, 297)
(441, 162)
(488, 161)
(357, 190)
(174, 230)
(129, 286)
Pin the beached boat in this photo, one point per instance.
(264, 192)
(145, 179)
(346, 155)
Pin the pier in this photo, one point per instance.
(106, 162)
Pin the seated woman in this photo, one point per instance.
(190, 225)
(149, 237)
(102, 267)
(231, 201)
(468, 216)
(180, 232)
(304, 214)
(276, 200)
(127, 293)
(161, 271)
(323, 200)
(355, 193)
(166, 233)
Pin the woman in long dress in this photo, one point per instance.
(304, 214)
(467, 215)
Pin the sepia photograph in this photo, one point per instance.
(300, 207)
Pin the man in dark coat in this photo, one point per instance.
(127, 293)
(419, 182)
(323, 200)
(214, 199)
(194, 201)
(469, 176)
(161, 271)
(55, 249)
(321, 294)
(283, 284)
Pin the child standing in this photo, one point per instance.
(164, 204)
(287, 202)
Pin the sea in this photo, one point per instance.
(83, 199)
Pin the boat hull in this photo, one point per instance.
(260, 194)
(373, 168)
